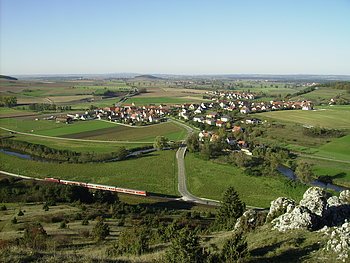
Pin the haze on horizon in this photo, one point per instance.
(175, 37)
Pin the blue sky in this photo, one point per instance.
(179, 37)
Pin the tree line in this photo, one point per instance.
(48, 153)
(8, 101)
(48, 107)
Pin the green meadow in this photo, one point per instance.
(154, 172)
(210, 180)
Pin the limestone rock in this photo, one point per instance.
(339, 241)
(315, 199)
(333, 201)
(250, 220)
(280, 206)
(344, 197)
(300, 218)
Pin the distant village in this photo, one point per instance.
(215, 112)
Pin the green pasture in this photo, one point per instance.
(210, 180)
(338, 171)
(154, 172)
(338, 149)
(78, 146)
(330, 118)
(322, 94)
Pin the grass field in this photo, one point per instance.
(210, 180)
(339, 172)
(78, 146)
(330, 117)
(154, 172)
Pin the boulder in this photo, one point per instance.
(280, 206)
(315, 199)
(299, 218)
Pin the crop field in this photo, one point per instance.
(210, 180)
(9, 112)
(143, 133)
(332, 117)
(153, 172)
(51, 128)
(96, 130)
(159, 100)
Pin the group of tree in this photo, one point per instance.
(48, 107)
(8, 101)
(46, 152)
(322, 132)
(52, 193)
(345, 85)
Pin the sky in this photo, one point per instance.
(175, 36)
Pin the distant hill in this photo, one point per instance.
(146, 77)
(7, 77)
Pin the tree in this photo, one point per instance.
(230, 210)
(161, 142)
(303, 172)
(100, 230)
(235, 248)
(193, 142)
(185, 248)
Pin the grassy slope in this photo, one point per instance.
(154, 172)
(210, 180)
(157, 100)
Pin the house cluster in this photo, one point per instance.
(231, 140)
(129, 114)
(226, 95)
(132, 114)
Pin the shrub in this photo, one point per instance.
(34, 236)
(100, 230)
(85, 222)
(3, 208)
(20, 213)
(14, 220)
(235, 248)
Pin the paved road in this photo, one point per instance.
(182, 187)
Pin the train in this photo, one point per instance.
(98, 186)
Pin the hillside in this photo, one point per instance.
(7, 77)
(146, 77)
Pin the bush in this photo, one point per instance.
(3, 208)
(133, 241)
(100, 230)
(46, 207)
(20, 213)
(63, 225)
(85, 222)
(34, 236)
(235, 248)
(14, 220)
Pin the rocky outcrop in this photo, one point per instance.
(344, 197)
(314, 211)
(250, 220)
(299, 218)
(279, 207)
(339, 241)
(315, 199)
